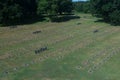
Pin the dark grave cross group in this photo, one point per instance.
(95, 31)
(40, 50)
(36, 32)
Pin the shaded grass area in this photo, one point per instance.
(34, 19)
(23, 21)
(63, 18)
(74, 52)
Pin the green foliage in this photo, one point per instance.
(107, 9)
(73, 51)
(53, 7)
(82, 6)
(13, 10)
(115, 17)
(28, 6)
(65, 6)
(9, 11)
(42, 6)
(19, 10)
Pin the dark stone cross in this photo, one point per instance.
(40, 50)
(95, 31)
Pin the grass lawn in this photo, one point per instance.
(75, 51)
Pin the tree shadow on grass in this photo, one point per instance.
(99, 20)
(108, 22)
(34, 19)
(23, 21)
(63, 18)
(102, 21)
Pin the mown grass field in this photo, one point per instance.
(74, 51)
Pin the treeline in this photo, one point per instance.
(109, 10)
(15, 11)
(12, 11)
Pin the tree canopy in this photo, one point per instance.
(16, 10)
(13, 10)
(54, 6)
(82, 6)
(109, 10)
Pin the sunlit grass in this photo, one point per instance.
(74, 52)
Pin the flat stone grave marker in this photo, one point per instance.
(36, 32)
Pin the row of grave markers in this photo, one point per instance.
(103, 61)
(90, 70)
(36, 52)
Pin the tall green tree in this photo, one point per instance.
(14, 10)
(28, 7)
(9, 11)
(46, 7)
(18, 10)
(64, 6)
(54, 6)
(109, 10)
(82, 6)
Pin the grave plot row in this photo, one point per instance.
(19, 52)
(25, 65)
(90, 61)
(40, 50)
(6, 72)
(102, 62)
(63, 39)
(92, 58)
(41, 59)
(13, 27)
(109, 32)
